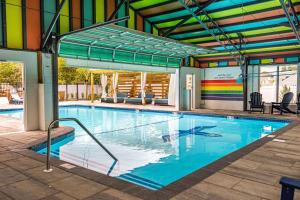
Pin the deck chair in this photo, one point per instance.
(288, 187)
(120, 98)
(298, 104)
(283, 107)
(16, 99)
(161, 102)
(256, 103)
(138, 100)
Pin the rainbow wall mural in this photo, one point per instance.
(222, 84)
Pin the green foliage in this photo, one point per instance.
(66, 75)
(83, 75)
(74, 75)
(10, 73)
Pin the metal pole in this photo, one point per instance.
(117, 9)
(48, 166)
(53, 22)
(293, 26)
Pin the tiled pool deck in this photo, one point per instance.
(253, 175)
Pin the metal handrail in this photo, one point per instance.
(48, 167)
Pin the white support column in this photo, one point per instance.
(29, 60)
(45, 93)
(143, 86)
(115, 86)
(177, 89)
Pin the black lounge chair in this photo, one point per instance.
(138, 100)
(120, 98)
(256, 103)
(298, 104)
(288, 187)
(283, 107)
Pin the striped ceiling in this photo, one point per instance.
(262, 23)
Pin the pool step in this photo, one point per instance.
(141, 181)
(82, 162)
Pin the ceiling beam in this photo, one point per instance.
(235, 51)
(292, 17)
(51, 26)
(197, 12)
(118, 8)
(294, 13)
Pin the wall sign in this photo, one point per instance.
(222, 84)
(189, 81)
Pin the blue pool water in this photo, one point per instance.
(154, 149)
(15, 113)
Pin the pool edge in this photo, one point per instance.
(174, 188)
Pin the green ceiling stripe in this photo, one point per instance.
(146, 3)
(281, 48)
(226, 13)
(245, 33)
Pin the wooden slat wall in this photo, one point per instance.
(156, 83)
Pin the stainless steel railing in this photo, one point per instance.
(48, 167)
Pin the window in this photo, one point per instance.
(275, 81)
(287, 81)
(268, 82)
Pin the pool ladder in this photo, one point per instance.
(50, 127)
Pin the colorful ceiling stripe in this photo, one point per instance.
(22, 26)
(33, 24)
(14, 24)
(262, 24)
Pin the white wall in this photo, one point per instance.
(31, 109)
(196, 92)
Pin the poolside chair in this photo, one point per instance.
(288, 187)
(283, 107)
(256, 103)
(161, 102)
(138, 100)
(16, 99)
(120, 98)
(298, 104)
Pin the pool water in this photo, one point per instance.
(154, 149)
(15, 113)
